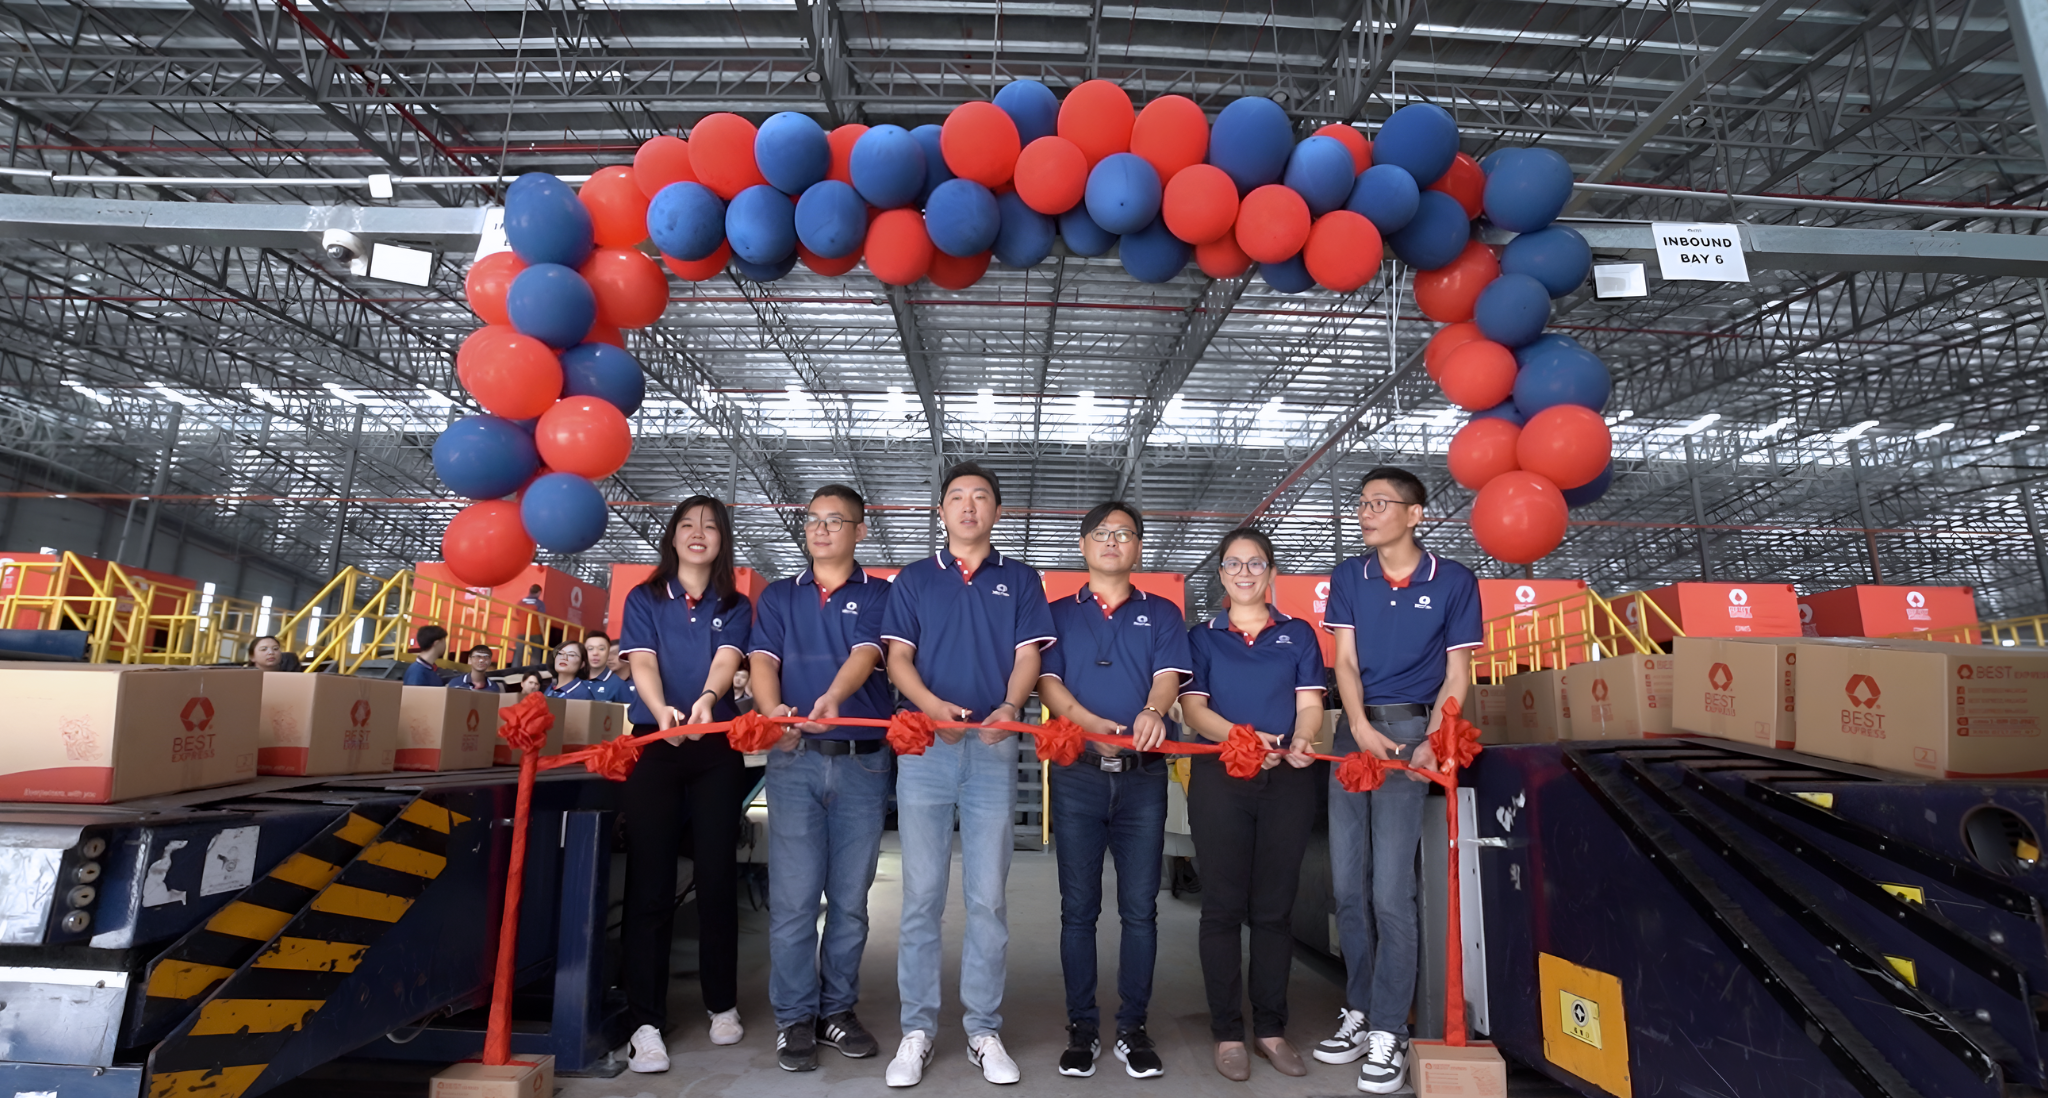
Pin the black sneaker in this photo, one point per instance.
(844, 1032)
(1082, 1047)
(796, 1048)
(1386, 1063)
(1141, 1060)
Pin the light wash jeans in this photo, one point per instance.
(1374, 841)
(978, 783)
(824, 838)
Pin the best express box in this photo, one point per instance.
(1927, 708)
(316, 724)
(443, 729)
(95, 733)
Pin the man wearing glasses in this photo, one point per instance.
(1120, 661)
(817, 653)
(1406, 622)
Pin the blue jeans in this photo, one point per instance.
(1125, 815)
(824, 838)
(977, 784)
(1374, 840)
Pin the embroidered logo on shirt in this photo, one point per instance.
(850, 608)
(1283, 639)
(717, 623)
(1422, 602)
(1141, 620)
(1002, 589)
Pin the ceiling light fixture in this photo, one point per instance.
(1856, 432)
(1700, 424)
(1770, 429)
(342, 394)
(174, 395)
(1941, 428)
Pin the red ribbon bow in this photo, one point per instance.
(1244, 754)
(1361, 772)
(752, 732)
(525, 725)
(613, 759)
(910, 732)
(1456, 740)
(1060, 740)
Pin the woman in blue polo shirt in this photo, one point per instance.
(1256, 666)
(572, 674)
(684, 634)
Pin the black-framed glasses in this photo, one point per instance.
(1253, 567)
(1120, 536)
(1379, 506)
(831, 524)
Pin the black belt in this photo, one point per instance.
(845, 747)
(1405, 712)
(1111, 764)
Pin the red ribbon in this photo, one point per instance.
(1456, 740)
(910, 732)
(752, 732)
(1061, 741)
(613, 759)
(1361, 772)
(1244, 754)
(525, 725)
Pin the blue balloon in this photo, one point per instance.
(1497, 157)
(545, 222)
(603, 371)
(1512, 310)
(1591, 490)
(686, 220)
(551, 303)
(484, 457)
(962, 218)
(831, 220)
(1153, 254)
(1526, 192)
(1555, 370)
(563, 513)
(1557, 256)
(888, 167)
(792, 152)
(1083, 236)
(1504, 410)
(1032, 106)
(1025, 236)
(1123, 193)
(761, 223)
(1251, 141)
(1386, 196)
(1320, 171)
(935, 169)
(1435, 235)
(1289, 276)
(527, 425)
(1421, 137)
(763, 272)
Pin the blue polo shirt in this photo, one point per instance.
(579, 690)
(1108, 660)
(423, 674)
(811, 633)
(461, 682)
(608, 686)
(1253, 680)
(685, 636)
(1403, 632)
(967, 627)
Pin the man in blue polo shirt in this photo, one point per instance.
(428, 648)
(605, 684)
(1406, 622)
(964, 628)
(817, 653)
(479, 676)
(1120, 662)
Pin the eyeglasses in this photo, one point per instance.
(1379, 506)
(1120, 536)
(831, 524)
(1253, 567)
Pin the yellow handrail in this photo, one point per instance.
(2007, 632)
(1562, 632)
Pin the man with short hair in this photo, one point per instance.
(478, 678)
(964, 629)
(1405, 622)
(429, 646)
(605, 684)
(1120, 662)
(817, 653)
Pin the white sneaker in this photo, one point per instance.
(726, 1028)
(911, 1057)
(986, 1052)
(1386, 1063)
(1348, 1043)
(649, 1053)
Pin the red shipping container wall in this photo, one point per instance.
(1868, 610)
(1499, 598)
(1307, 597)
(1171, 586)
(1718, 610)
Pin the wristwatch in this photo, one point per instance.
(1153, 709)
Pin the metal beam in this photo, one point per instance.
(2029, 19)
(1821, 248)
(1205, 317)
(923, 374)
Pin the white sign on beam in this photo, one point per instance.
(1699, 253)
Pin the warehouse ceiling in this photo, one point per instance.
(1789, 414)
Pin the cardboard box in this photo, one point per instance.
(1873, 611)
(1926, 708)
(442, 729)
(524, 1077)
(1736, 689)
(503, 754)
(590, 722)
(1539, 711)
(1716, 610)
(327, 724)
(1486, 706)
(1438, 1070)
(95, 733)
(1625, 698)
(1326, 736)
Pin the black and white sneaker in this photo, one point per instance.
(844, 1032)
(1386, 1063)
(796, 1047)
(1348, 1043)
(1140, 1059)
(1082, 1048)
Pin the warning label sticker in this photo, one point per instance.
(1580, 1018)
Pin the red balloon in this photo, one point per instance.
(699, 270)
(1567, 444)
(1519, 517)
(1447, 339)
(1052, 175)
(486, 545)
(631, 290)
(1482, 450)
(1222, 258)
(661, 161)
(1172, 134)
(830, 267)
(1272, 224)
(979, 141)
(1343, 251)
(841, 140)
(1200, 203)
(486, 283)
(1478, 375)
(511, 375)
(1449, 293)
(600, 332)
(618, 211)
(1097, 116)
(1464, 182)
(722, 154)
(585, 436)
(1361, 149)
(955, 273)
(899, 250)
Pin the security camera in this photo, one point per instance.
(346, 247)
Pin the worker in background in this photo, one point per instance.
(266, 653)
(530, 683)
(429, 646)
(684, 633)
(572, 674)
(964, 629)
(1405, 623)
(817, 653)
(479, 677)
(605, 684)
(536, 630)
(1254, 666)
(1120, 662)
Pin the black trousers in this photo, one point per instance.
(701, 784)
(1250, 836)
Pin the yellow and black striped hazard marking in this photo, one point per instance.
(221, 1049)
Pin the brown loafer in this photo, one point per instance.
(1231, 1062)
(1285, 1060)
